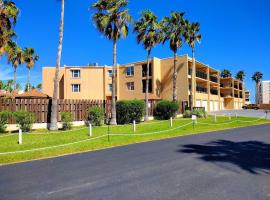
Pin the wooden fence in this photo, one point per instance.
(42, 108)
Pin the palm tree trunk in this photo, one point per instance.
(256, 93)
(28, 80)
(146, 117)
(14, 78)
(193, 82)
(54, 110)
(174, 78)
(113, 107)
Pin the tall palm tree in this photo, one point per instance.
(192, 36)
(30, 58)
(15, 56)
(8, 85)
(148, 31)
(54, 110)
(240, 75)
(112, 20)
(257, 77)
(173, 28)
(225, 73)
(8, 18)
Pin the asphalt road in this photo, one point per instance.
(244, 113)
(226, 165)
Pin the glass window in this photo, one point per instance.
(75, 73)
(130, 71)
(76, 88)
(130, 85)
(110, 87)
(109, 73)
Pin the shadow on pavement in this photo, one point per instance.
(252, 156)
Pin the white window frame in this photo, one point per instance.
(130, 86)
(76, 75)
(76, 90)
(110, 73)
(130, 71)
(110, 87)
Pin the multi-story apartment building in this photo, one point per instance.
(264, 92)
(247, 97)
(211, 91)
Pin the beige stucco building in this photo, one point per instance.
(94, 82)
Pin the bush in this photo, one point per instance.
(25, 120)
(166, 109)
(96, 116)
(3, 121)
(67, 119)
(129, 110)
(198, 112)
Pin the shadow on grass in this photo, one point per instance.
(251, 156)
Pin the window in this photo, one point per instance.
(76, 88)
(130, 85)
(130, 71)
(109, 73)
(110, 87)
(75, 73)
(149, 85)
(144, 70)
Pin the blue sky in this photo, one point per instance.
(234, 35)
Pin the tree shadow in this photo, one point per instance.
(251, 156)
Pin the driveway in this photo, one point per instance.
(244, 113)
(224, 165)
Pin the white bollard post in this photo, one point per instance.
(134, 126)
(215, 117)
(20, 136)
(171, 122)
(90, 129)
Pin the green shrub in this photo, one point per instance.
(200, 113)
(3, 120)
(166, 109)
(67, 119)
(96, 115)
(25, 120)
(129, 110)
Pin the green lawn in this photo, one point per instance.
(152, 130)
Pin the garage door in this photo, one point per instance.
(211, 106)
(198, 103)
(204, 104)
(215, 105)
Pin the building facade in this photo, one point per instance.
(264, 92)
(211, 91)
(247, 97)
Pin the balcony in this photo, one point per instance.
(225, 85)
(235, 86)
(214, 91)
(201, 89)
(189, 71)
(200, 74)
(226, 95)
(213, 79)
(236, 95)
(240, 87)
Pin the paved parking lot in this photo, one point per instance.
(244, 113)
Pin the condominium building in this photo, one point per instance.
(264, 92)
(94, 82)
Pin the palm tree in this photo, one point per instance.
(112, 20)
(30, 58)
(225, 73)
(173, 28)
(54, 110)
(2, 85)
(192, 36)
(8, 85)
(15, 56)
(148, 31)
(39, 86)
(240, 75)
(257, 77)
(8, 18)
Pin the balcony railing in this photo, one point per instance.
(225, 85)
(200, 74)
(226, 95)
(201, 89)
(214, 92)
(213, 79)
